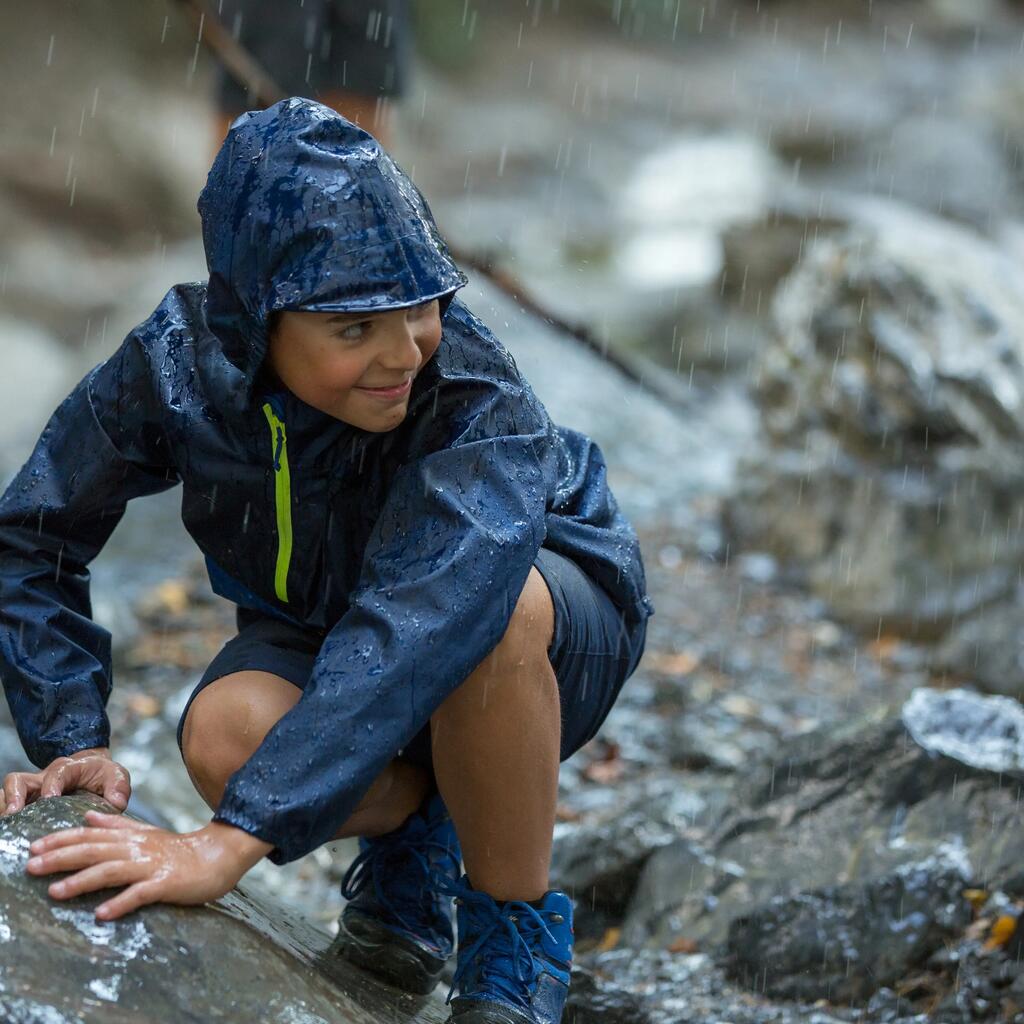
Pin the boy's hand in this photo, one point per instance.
(91, 770)
(154, 864)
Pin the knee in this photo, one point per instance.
(227, 721)
(531, 626)
(520, 659)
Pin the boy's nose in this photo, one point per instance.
(402, 351)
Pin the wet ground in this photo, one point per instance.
(738, 666)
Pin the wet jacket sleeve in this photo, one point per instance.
(441, 575)
(99, 449)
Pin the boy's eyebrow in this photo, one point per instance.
(347, 316)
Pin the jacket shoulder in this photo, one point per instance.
(176, 323)
(130, 392)
(470, 349)
(472, 388)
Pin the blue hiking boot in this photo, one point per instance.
(514, 958)
(397, 924)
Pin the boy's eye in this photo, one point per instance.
(353, 332)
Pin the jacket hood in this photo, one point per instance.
(304, 210)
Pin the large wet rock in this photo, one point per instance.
(598, 861)
(981, 732)
(240, 959)
(843, 942)
(845, 867)
(893, 404)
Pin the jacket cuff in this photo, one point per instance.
(43, 753)
(240, 819)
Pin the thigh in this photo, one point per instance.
(592, 651)
(236, 710)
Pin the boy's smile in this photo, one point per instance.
(356, 367)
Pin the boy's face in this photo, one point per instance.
(348, 364)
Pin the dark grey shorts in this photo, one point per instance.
(319, 46)
(592, 653)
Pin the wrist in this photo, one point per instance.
(91, 752)
(244, 849)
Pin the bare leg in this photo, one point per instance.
(495, 751)
(230, 718)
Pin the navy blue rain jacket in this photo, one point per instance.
(409, 547)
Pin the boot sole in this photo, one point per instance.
(484, 1016)
(381, 953)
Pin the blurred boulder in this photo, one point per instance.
(917, 800)
(842, 943)
(35, 378)
(988, 649)
(892, 400)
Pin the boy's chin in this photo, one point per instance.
(372, 424)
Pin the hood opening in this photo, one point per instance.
(304, 210)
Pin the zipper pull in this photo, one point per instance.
(280, 448)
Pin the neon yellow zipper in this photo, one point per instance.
(283, 495)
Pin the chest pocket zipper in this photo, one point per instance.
(283, 500)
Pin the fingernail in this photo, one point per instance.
(34, 862)
(57, 889)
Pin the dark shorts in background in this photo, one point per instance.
(591, 653)
(320, 46)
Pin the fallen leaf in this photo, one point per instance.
(143, 705)
(1002, 931)
(672, 663)
(683, 945)
(610, 940)
(604, 773)
(884, 647)
(170, 597)
(976, 897)
(742, 707)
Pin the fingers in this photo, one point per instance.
(116, 821)
(73, 858)
(19, 788)
(116, 790)
(109, 779)
(71, 836)
(62, 773)
(99, 876)
(135, 896)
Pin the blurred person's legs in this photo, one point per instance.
(352, 55)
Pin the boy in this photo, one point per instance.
(438, 598)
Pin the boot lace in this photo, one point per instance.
(399, 863)
(506, 935)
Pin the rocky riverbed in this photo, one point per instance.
(806, 221)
